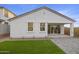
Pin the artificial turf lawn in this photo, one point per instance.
(30, 47)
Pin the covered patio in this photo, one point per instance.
(57, 30)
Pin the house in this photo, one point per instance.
(5, 14)
(39, 23)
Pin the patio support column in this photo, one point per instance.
(62, 29)
(46, 29)
(72, 29)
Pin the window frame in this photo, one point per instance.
(30, 26)
(42, 27)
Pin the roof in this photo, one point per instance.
(8, 10)
(44, 7)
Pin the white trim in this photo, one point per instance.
(61, 29)
(72, 29)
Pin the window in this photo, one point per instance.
(30, 26)
(5, 13)
(42, 26)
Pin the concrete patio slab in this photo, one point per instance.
(67, 44)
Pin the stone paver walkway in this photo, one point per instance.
(68, 45)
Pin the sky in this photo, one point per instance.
(70, 10)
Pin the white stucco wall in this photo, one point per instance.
(21, 31)
(19, 26)
(4, 29)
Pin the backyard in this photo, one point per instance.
(29, 47)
